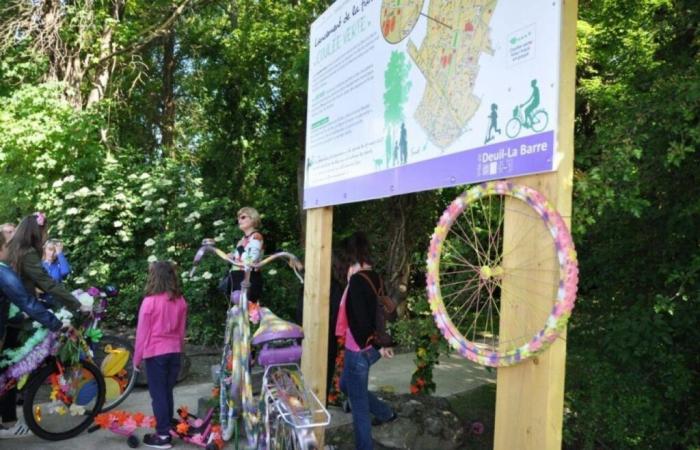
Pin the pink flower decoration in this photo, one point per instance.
(40, 218)
(129, 425)
(148, 422)
(198, 439)
(477, 428)
(93, 291)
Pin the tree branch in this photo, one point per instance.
(147, 36)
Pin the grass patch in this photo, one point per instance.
(473, 407)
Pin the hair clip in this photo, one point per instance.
(40, 218)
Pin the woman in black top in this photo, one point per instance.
(356, 320)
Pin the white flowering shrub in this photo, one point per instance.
(114, 226)
(117, 210)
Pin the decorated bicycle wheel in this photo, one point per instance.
(60, 403)
(493, 305)
(114, 356)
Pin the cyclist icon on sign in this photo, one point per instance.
(531, 117)
(532, 103)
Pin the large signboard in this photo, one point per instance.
(411, 95)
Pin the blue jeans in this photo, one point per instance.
(354, 383)
(162, 373)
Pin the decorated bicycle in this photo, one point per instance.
(63, 389)
(287, 412)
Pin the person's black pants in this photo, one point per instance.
(8, 402)
(162, 373)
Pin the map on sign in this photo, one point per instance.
(410, 95)
(399, 18)
(458, 33)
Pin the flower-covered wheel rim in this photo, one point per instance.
(478, 282)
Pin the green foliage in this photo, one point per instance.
(41, 139)
(417, 331)
(633, 362)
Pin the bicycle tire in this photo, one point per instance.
(126, 381)
(513, 127)
(540, 120)
(38, 389)
(249, 408)
(469, 276)
(227, 401)
(282, 436)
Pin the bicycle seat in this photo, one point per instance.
(273, 328)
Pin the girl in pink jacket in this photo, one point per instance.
(160, 336)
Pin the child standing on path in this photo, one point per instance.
(160, 336)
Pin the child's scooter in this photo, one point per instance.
(191, 429)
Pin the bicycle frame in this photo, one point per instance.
(238, 382)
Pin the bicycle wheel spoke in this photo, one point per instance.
(465, 262)
(463, 237)
(466, 305)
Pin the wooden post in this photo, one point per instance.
(530, 396)
(317, 282)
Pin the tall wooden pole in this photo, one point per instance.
(317, 282)
(530, 396)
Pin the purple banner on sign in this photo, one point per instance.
(514, 158)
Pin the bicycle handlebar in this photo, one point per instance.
(208, 247)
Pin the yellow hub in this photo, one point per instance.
(488, 272)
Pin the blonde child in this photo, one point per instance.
(160, 335)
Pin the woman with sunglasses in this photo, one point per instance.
(249, 250)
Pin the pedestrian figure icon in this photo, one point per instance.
(493, 124)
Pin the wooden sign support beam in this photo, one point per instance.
(317, 282)
(530, 395)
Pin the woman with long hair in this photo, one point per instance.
(24, 254)
(357, 323)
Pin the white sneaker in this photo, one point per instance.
(18, 430)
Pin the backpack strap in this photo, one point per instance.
(369, 280)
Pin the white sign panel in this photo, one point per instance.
(412, 95)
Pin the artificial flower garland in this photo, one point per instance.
(26, 359)
(188, 421)
(11, 356)
(28, 363)
(124, 420)
(335, 395)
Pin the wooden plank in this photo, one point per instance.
(530, 396)
(317, 280)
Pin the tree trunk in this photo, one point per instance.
(398, 257)
(104, 71)
(168, 119)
